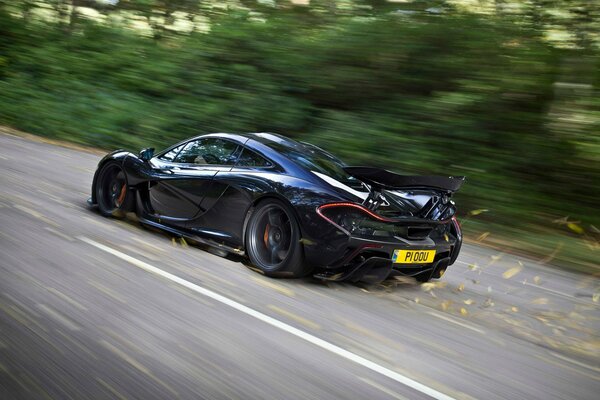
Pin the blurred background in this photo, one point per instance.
(505, 92)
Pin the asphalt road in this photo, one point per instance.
(92, 307)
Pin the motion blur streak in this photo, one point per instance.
(78, 322)
(276, 323)
(505, 92)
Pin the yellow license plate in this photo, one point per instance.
(413, 256)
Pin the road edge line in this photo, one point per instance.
(274, 322)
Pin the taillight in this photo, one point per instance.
(457, 227)
(355, 219)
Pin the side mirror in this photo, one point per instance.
(146, 154)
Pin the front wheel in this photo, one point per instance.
(273, 240)
(112, 193)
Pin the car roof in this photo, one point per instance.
(269, 139)
(265, 138)
(266, 143)
(274, 147)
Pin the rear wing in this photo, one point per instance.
(379, 178)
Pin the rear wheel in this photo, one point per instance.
(273, 240)
(112, 193)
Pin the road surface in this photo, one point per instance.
(98, 308)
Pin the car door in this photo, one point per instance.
(186, 180)
(224, 215)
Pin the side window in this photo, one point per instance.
(251, 159)
(211, 151)
(170, 155)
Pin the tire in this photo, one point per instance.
(113, 195)
(273, 241)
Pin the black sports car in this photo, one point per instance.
(291, 207)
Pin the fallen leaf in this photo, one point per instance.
(417, 300)
(461, 287)
(483, 236)
(514, 309)
(541, 300)
(536, 280)
(446, 237)
(509, 273)
(477, 212)
(488, 303)
(596, 297)
(575, 228)
(469, 302)
(427, 286)
(473, 267)
(496, 257)
(463, 311)
(445, 304)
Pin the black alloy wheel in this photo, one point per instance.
(112, 193)
(273, 240)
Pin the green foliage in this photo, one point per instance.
(452, 93)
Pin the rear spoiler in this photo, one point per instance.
(379, 178)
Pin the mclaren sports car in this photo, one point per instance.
(290, 207)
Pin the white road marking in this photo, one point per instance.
(454, 321)
(584, 365)
(276, 323)
(551, 291)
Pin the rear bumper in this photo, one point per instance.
(377, 269)
(358, 259)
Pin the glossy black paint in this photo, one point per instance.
(212, 203)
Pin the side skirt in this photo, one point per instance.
(195, 238)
